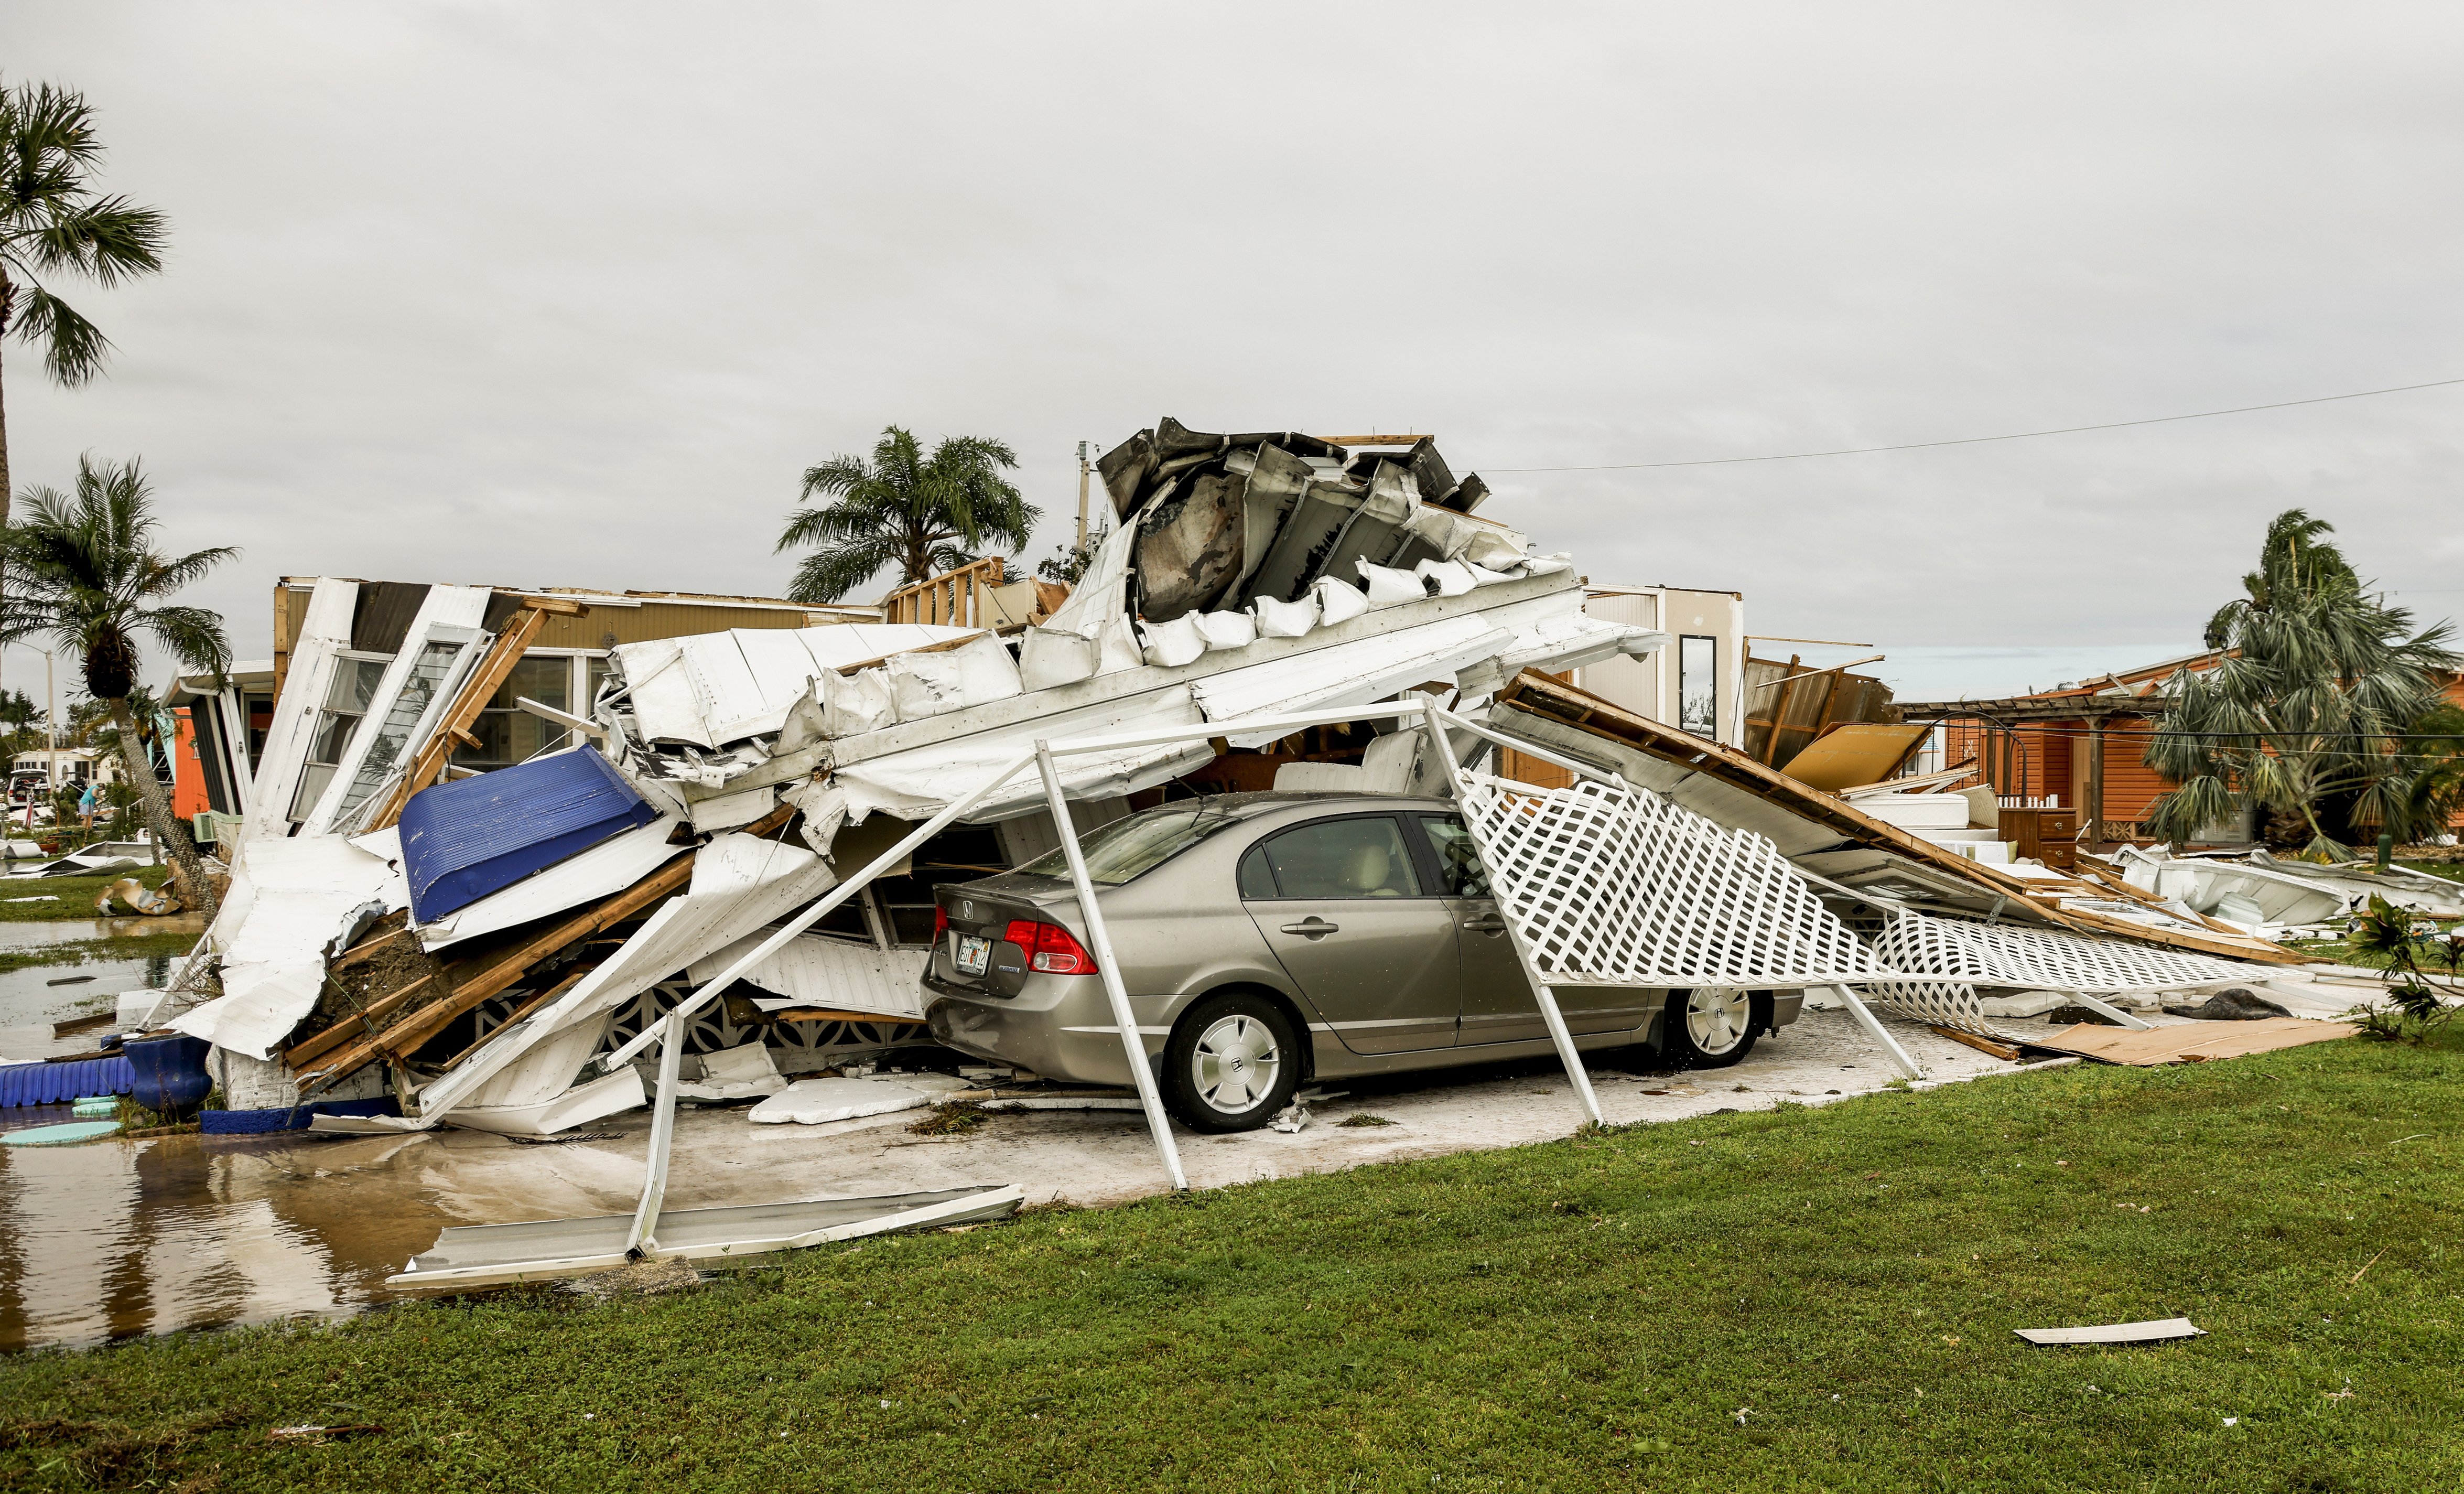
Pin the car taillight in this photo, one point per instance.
(1058, 953)
(1050, 948)
(940, 921)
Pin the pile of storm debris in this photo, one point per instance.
(2281, 897)
(404, 936)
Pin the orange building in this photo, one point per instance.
(2080, 747)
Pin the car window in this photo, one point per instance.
(1257, 878)
(1361, 858)
(1125, 848)
(1457, 858)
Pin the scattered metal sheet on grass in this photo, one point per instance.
(2160, 1330)
(485, 1253)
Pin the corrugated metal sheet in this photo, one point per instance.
(821, 972)
(722, 687)
(461, 841)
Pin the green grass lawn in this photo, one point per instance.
(75, 895)
(1797, 1300)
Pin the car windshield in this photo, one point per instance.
(1127, 848)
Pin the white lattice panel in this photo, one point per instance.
(1964, 955)
(1609, 886)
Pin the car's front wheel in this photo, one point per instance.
(1711, 1027)
(1232, 1062)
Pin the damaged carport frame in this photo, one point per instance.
(1600, 884)
(691, 1234)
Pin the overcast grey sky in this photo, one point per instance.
(570, 294)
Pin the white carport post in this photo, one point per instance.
(1875, 1030)
(644, 1237)
(1554, 1019)
(1108, 967)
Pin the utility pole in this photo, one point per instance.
(1083, 470)
(51, 748)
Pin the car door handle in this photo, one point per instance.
(1490, 924)
(1312, 927)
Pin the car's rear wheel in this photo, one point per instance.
(1232, 1062)
(1711, 1027)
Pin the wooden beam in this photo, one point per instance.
(2000, 1050)
(559, 606)
(495, 972)
(571, 979)
(367, 949)
(477, 691)
(334, 1036)
(1376, 440)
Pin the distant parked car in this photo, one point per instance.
(1247, 921)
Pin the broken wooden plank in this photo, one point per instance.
(495, 971)
(559, 606)
(367, 949)
(350, 1025)
(475, 693)
(831, 1015)
(565, 983)
(2000, 1050)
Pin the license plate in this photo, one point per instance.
(974, 953)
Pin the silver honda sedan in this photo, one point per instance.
(1244, 920)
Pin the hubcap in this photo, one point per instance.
(1717, 1019)
(1236, 1063)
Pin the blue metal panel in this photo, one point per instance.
(465, 839)
(59, 1083)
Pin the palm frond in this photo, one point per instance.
(82, 568)
(829, 574)
(74, 349)
(111, 239)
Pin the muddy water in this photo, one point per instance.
(33, 998)
(121, 1237)
(29, 1004)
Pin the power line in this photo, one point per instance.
(1973, 440)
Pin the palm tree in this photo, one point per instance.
(2311, 706)
(922, 515)
(52, 222)
(89, 578)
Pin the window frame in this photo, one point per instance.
(577, 688)
(303, 804)
(1710, 731)
(1489, 889)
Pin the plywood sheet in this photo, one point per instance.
(2191, 1043)
(1853, 755)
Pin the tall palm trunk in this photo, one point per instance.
(168, 832)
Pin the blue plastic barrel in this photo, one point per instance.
(171, 1078)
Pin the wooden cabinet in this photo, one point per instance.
(2047, 835)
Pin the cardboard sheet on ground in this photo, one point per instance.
(2191, 1043)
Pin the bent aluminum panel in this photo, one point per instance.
(482, 1254)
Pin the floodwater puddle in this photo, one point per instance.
(38, 934)
(116, 1238)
